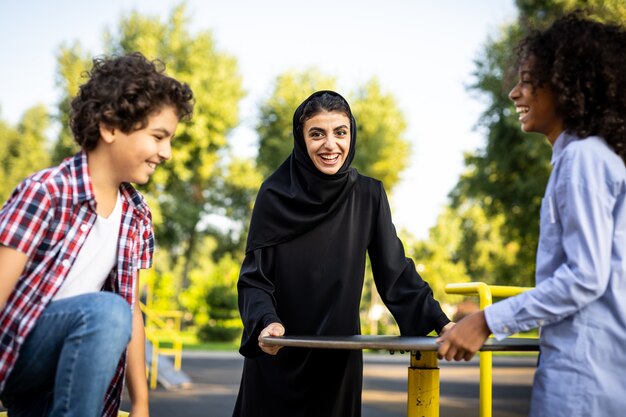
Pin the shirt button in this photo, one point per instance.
(540, 322)
(505, 329)
(66, 263)
(84, 227)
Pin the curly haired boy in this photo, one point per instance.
(72, 239)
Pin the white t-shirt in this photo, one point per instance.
(96, 258)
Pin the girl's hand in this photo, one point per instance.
(464, 339)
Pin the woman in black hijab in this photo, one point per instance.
(314, 220)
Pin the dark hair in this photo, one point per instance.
(122, 92)
(324, 102)
(583, 63)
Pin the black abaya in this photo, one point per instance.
(312, 284)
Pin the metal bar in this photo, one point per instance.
(394, 343)
(423, 378)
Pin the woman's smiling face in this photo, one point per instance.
(327, 139)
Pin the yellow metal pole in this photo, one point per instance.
(486, 361)
(485, 294)
(423, 390)
(486, 365)
(155, 364)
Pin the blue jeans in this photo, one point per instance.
(68, 360)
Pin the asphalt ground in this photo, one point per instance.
(216, 377)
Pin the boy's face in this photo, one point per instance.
(136, 155)
(535, 105)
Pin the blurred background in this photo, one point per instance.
(427, 82)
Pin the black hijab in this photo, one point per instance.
(297, 196)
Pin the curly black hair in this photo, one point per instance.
(583, 62)
(122, 92)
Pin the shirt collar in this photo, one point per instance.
(135, 199)
(560, 144)
(83, 189)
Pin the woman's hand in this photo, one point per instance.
(274, 329)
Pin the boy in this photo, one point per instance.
(70, 231)
(571, 89)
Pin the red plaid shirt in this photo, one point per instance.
(48, 217)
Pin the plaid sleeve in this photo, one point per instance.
(25, 217)
(146, 244)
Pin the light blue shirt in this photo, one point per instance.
(580, 296)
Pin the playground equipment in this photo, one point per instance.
(423, 374)
(485, 294)
(163, 341)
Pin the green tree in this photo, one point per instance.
(382, 152)
(202, 180)
(507, 177)
(184, 188)
(232, 202)
(275, 125)
(73, 63)
(23, 149)
(437, 259)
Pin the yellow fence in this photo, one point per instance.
(163, 332)
(485, 294)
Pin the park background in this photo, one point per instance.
(427, 82)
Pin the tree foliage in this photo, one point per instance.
(73, 63)
(275, 125)
(23, 149)
(507, 177)
(382, 151)
(184, 189)
(203, 181)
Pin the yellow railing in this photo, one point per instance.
(158, 331)
(485, 294)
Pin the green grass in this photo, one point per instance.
(191, 342)
(215, 346)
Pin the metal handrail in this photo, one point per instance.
(485, 295)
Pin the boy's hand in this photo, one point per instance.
(139, 411)
(464, 339)
(274, 329)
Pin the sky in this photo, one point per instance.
(421, 51)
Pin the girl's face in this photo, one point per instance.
(327, 139)
(535, 105)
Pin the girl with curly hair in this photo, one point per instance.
(72, 240)
(571, 88)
